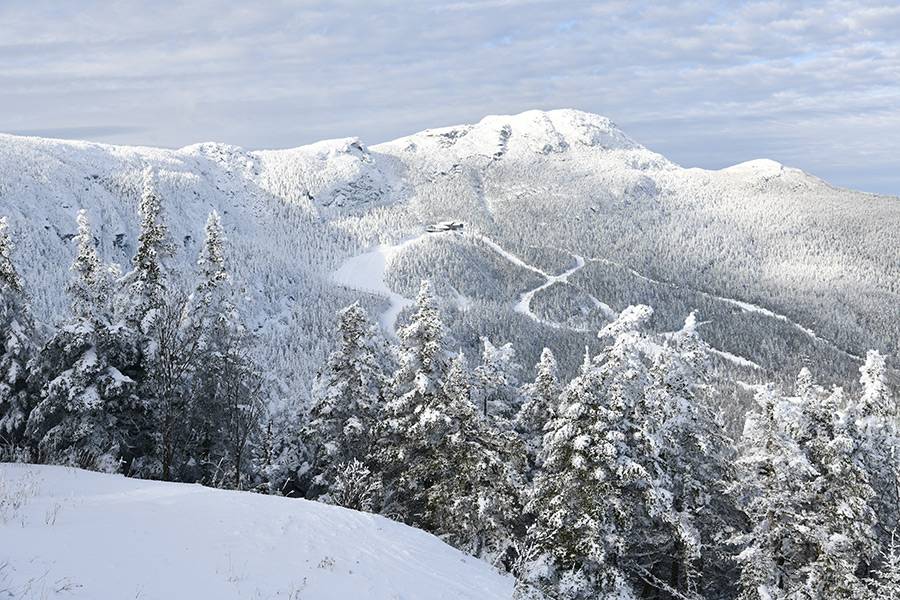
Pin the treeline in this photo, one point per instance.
(142, 377)
(620, 483)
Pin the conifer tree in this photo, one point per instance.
(807, 497)
(497, 383)
(596, 500)
(17, 346)
(88, 413)
(886, 583)
(874, 415)
(771, 469)
(226, 401)
(147, 281)
(540, 398)
(170, 338)
(468, 471)
(695, 462)
(845, 532)
(348, 399)
(413, 387)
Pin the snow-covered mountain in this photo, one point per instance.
(68, 533)
(565, 220)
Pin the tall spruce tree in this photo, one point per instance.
(540, 398)
(88, 413)
(807, 498)
(17, 346)
(413, 389)
(695, 462)
(874, 414)
(468, 473)
(497, 383)
(600, 511)
(226, 398)
(170, 339)
(348, 400)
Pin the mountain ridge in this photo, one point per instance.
(543, 185)
(585, 128)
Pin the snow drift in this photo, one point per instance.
(67, 533)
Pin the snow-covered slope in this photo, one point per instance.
(78, 534)
(542, 186)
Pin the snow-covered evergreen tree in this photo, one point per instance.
(496, 381)
(226, 396)
(348, 399)
(355, 486)
(88, 413)
(885, 585)
(845, 534)
(597, 500)
(874, 414)
(17, 346)
(469, 472)
(147, 280)
(807, 497)
(695, 462)
(771, 468)
(540, 398)
(418, 379)
(170, 339)
(876, 398)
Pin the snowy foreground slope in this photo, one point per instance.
(784, 269)
(83, 535)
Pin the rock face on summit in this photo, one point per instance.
(821, 264)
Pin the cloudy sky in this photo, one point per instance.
(707, 83)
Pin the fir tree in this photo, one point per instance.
(497, 381)
(841, 496)
(88, 413)
(874, 417)
(348, 399)
(413, 387)
(17, 346)
(540, 398)
(147, 281)
(596, 500)
(468, 471)
(695, 462)
(807, 498)
(226, 400)
(886, 583)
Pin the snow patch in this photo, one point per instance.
(366, 273)
(111, 537)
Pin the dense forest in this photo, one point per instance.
(621, 481)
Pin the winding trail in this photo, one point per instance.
(523, 306)
(366, 272)
(745, 306)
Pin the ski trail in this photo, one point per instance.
(745, 306)
(734, 358)
(512, 257)
(366, 273)
(523, 306)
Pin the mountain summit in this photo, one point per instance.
(564, 220)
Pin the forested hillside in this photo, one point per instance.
(626, 468)
(785, 270)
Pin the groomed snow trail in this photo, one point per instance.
(745, 306)
(90, 536)
(366, 272)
